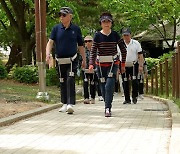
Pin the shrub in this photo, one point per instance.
(166, 55)
(3, 71)
(52, 77)
(25, 74)
(151, 62)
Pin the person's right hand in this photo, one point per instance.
(47, 58)
(91, 67)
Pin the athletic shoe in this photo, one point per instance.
(86, 101)
(107, 112)
(92, 101)
(63, 108)
(140, 97)
(134, 100)
(127, 102)
(101, 98)
(69, 109)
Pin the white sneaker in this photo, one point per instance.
(63, 108)
(92, 101)
(69, 109)
(86, 101)
(101, 98)
(122, 95)
(140, 97)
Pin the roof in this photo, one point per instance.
(152, 35)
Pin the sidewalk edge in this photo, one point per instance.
(174, 147)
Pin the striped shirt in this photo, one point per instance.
(106, 45)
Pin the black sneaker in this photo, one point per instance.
(127, 102)
(134, 100)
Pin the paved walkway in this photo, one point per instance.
(133, 129)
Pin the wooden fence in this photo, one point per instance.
(165, 77)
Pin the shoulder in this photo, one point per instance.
(57, 26)
(74, 26)
(114, 32)
(136, 42)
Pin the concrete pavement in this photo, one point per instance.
(139, 128)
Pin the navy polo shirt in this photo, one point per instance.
(66, 40)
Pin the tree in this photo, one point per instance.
(141, 15)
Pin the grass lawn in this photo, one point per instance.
(12, 90)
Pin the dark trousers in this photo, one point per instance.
(107, 88)
(67, 88)
(141, 85)
(89, 83)
(98, 87)
(126, 85)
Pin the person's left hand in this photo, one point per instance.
(140, 69)
(123, 69)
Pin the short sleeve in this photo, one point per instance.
(79, 37)
(139, 49)
(53, 34)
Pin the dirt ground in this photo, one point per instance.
(13, 107)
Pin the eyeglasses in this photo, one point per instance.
(88, 41)
(62, 14)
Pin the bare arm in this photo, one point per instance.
(49, 47)
(82, 53)
(141, 62)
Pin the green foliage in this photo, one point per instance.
(25, 74)
(52, 77)
(151, 62)
(166, 56)
(3, 72)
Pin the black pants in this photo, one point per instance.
(126, 85)
(67, 88)
(141, 85)
(92, 84)
(89, 82)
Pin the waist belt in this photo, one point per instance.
(66, 60)
(129, 64)
(87, 71)
(106, 59)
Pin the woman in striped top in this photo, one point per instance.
(105, 46)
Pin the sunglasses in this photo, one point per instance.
(87, 41)
(62, 14)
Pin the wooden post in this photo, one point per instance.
(161, 78)
(147, 84)
(166, 78)
(177, 76)
(156, 80)
(178, 47)
(152, 80)
(40, 24)
(173, 75)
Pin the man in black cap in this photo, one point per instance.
(133, 65)
(66, 37)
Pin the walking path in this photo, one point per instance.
(142, 128)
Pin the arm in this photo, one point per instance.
(49, 47)
(82, 53)
(122, 47)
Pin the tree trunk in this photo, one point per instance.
(15, 57)
(27, 49)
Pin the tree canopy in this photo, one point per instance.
(17, 20)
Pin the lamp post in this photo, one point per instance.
(40, 27)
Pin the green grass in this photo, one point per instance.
(11, 90)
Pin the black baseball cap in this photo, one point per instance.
(126, 31)
(66, 10)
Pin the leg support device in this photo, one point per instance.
(62, 61)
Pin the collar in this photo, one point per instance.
(131, 42)
(62, 26)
